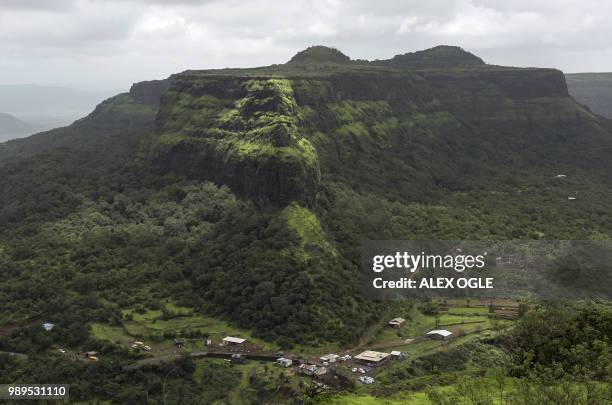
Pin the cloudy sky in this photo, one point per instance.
(78, 41)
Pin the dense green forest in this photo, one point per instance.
(244, 194)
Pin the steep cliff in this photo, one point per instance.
(245, 133)
(273, 133)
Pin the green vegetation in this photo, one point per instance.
(318, 55)
(236, 204)
(163, 325)
(306, 225)
(229, 139)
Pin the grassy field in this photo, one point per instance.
(153, 324)
(365, 400)
(421, 398)
(459, 319)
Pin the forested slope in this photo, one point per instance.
(245, 192)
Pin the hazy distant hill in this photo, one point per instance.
(593, 90)
(47, 107)
(11, 127)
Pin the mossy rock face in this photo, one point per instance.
(272, 138)
(243, 133)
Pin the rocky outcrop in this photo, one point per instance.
(149, 92)
(244, 133)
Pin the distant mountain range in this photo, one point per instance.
(12, 127)
(592, 89)
(44, 107)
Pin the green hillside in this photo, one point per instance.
(243, 196)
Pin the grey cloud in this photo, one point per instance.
(112, 39)
(37, 4)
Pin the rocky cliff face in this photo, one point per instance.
(241, 132)
(272, 134)
(149, 92)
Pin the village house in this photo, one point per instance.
(91, 356)
(440, 334)
(307, 369)
(330, 358)
(372, 358)
(48, 326)
(230, 340)
(397, 322)
(312, 370)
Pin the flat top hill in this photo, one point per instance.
(245, 194)
(321, 60)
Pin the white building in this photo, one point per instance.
(440, 334)
(330, 358)
(48, 326)
(397, 322)
(230, 340)
(372, 357)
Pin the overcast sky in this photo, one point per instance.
(74, 41)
